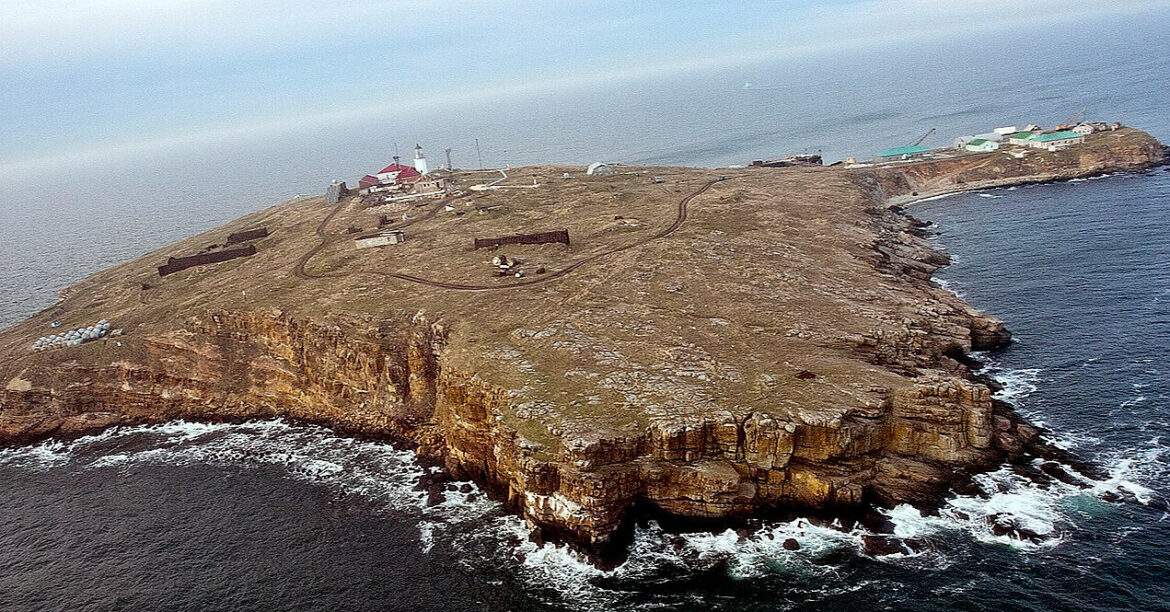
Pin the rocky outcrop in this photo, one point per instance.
(392, 380)
(784, 348)
(1124, 149)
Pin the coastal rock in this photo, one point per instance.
(764, 339)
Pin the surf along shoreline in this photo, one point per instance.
(900, 185)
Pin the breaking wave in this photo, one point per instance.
(1093, 178)
(1021, 510)
(937, 197)
(373, 470)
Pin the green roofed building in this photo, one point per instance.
(1057, 136)
(980, 145)
(903, 152)
(1051, 141)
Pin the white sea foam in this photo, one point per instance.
(485, 536)
(937, 197)
(1130, 403)
(1046, 511)
(426, 535)
(1017, 384)
(372, 469)
(946, 285)
(1092, 178)
(763, 550)
(989, 196)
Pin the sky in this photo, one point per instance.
(95, 80)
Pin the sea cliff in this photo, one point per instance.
(713, 343)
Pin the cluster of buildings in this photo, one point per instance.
(402, 182)
(1032, 136)
(397, 183)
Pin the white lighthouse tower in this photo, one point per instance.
(420, 160)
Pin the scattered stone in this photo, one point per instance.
(880, 546)
(1059, 472)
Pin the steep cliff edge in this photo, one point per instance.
(778, 344)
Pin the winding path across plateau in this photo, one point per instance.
(326, 239)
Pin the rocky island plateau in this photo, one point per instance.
(712, 343)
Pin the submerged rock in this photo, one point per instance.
(880, 546)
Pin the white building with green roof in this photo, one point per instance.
(1051, 141)
(980, 145)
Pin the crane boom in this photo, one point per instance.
(924, 137)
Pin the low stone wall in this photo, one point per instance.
(561, 236)
(178, 264)
(244, 236)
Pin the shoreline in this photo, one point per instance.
(911, 200)
(416, 381)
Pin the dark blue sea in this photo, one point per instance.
(275, 516)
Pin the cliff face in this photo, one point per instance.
(241, 365)
(782, 347)
(393, 381)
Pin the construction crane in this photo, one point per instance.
(924, 137)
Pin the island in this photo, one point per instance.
(706, 343)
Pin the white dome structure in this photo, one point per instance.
(599, 169)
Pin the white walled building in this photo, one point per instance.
(420, 160)
(380, 239)
(980, 145)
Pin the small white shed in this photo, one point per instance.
(380, 239)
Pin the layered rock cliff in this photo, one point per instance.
(777, 344)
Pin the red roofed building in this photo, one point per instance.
(394, 174)
(398, 173)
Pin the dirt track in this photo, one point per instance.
(327, 239)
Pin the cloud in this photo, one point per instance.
(456, 50)
(35, 30)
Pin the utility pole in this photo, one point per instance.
(479, 154)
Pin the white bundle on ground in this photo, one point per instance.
(73, 337)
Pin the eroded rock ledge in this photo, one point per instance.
(784, 348)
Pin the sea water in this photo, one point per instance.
(270, 515)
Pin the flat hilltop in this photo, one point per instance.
(712, 342)
(761, 280)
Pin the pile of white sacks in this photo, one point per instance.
(73, 337)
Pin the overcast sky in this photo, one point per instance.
(103, 77)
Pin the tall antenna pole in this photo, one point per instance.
(479, 154)
(396, 150)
